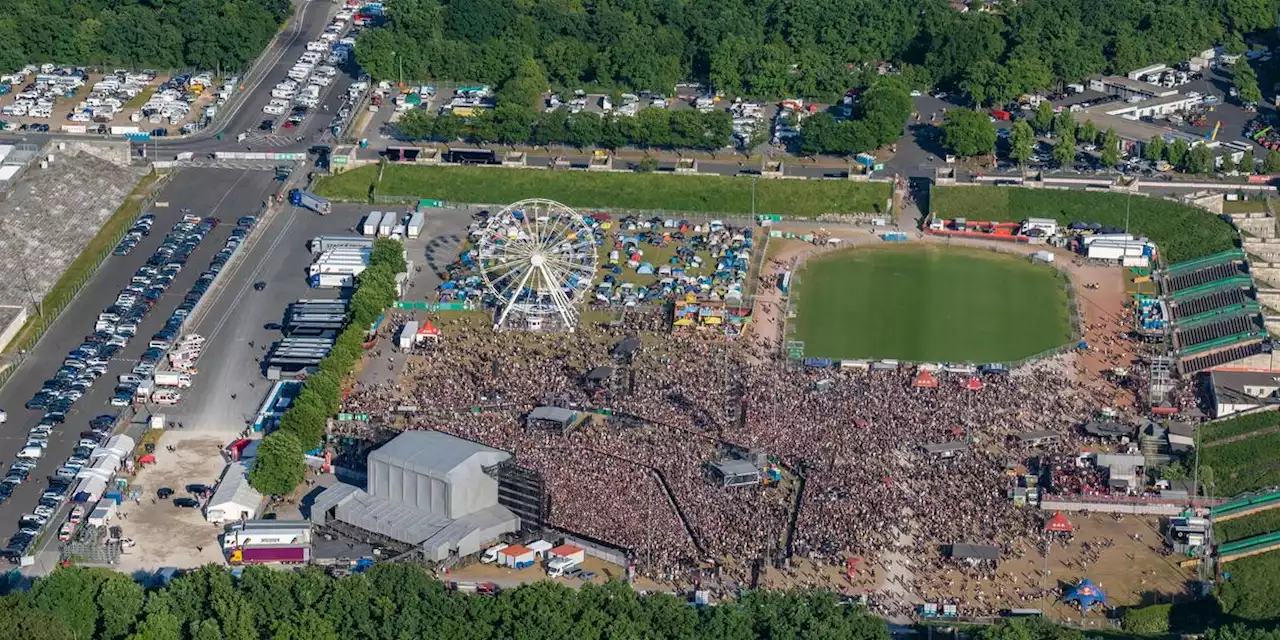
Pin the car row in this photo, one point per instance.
(61, 483)
(135, 234)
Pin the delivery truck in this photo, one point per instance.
(173, 379)
(308, 200)
(371, 223)
(268, 555)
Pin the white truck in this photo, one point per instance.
(490, 555)
(173, 379)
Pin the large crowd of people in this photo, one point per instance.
(641, 480)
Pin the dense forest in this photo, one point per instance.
(798, 48)
(160, 34)
(396, 601)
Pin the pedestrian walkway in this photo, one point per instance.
(268, 140)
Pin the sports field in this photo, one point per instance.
(930, 304)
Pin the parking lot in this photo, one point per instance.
(232, 194)
(72, 100)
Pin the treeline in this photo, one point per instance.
(649, 128)
(798, 48)
(201, 34)
(394, 601)
(279, 466)
(879, 118)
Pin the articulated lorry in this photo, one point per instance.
(265, 555)
(308, 200)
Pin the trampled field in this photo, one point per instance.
(643, 191)
(930, 304)
(1180, 232)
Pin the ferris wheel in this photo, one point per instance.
(538, 259)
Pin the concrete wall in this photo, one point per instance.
(114, 152)
(1266, 273)
(10, 331)
(1269, 298)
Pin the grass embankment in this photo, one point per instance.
(1250, 593)
(1244, 465)
(1180, 232)
(1244, 206)
(1238, 426)
(641, 191)
(930, 304)
(86, 263)
(1247, 526)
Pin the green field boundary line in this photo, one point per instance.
(82, 270)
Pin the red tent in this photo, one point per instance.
(972, 384)
(147, 459)
(429, 329)
(925, 380)
(1058, 524)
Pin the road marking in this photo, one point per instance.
(253, 276)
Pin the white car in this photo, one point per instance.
(30, 452)
(273, 110)
(4, 417)
(915, 93)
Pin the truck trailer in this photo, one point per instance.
(321, 244)
(308, 200)
(415, 224)
(268, 555)
(371, 222)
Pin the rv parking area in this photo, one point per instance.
(71, 100)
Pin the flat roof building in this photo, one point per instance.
(1233, 392)
(428, 489)
(551, 418)
(734, 472)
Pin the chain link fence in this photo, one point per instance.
(47, 315)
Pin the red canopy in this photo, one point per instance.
(429, 329)
(972, 384)
(925, 380)
(147, 459)
(1058, 523)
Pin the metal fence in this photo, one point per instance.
(49, 314)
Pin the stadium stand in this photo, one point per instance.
(1216, 318)
(52, 215)
(1188, 310)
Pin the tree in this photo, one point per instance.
(1154, 150)
(1247, 163)
(1110, 148)
(1042, 121)
(1022, 142)
(1088, 133)
(389, 252)
(1064, 149)
(1064, 125)
(279, 466)
(1271, 164)
(1246, 81)
(1177, 153)
(416, 124)
(969, 133)
(647, 164)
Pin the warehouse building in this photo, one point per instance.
(426, 489)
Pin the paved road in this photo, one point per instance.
(226, 195)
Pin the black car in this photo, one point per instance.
(186, 503)
(164, 493)
(267, 125)
(273, 326)
(259, 285)
(104, 420)
(198, 490)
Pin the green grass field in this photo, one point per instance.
(1239, 425)
(1180, 232)
(1244, 465)
(930, 304)
(1247, 526)
(650, 191)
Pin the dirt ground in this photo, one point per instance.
(507, 577)
(168, 536)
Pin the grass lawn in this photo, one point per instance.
(1238, 425)
(87, 262)
(1247, 526)
(650, 191)
(1244, 206)
(930, 304)
(1180, 232)
(1244, 465)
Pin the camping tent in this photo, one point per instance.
(1086, 594)
(925, 380)
(1058, 524)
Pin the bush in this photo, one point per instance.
(1152, 619)
(279, 465)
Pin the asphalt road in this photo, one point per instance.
(223, 194)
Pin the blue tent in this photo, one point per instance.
(1086, 594)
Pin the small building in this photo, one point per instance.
(599, 377)
(1233, 392)
(540, 548)
(974, 553)
(568, 552)
(234, 499)
(1182, 437)
(1125, 472)
(733, 472)
(627, 348)
(1038, 438)
(1107, 429)
(551, 418)
(945, 450)
(517, 556)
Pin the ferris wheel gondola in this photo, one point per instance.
(538, 260)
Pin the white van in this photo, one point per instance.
(32, 452)
(490, 555)
(557, 567)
